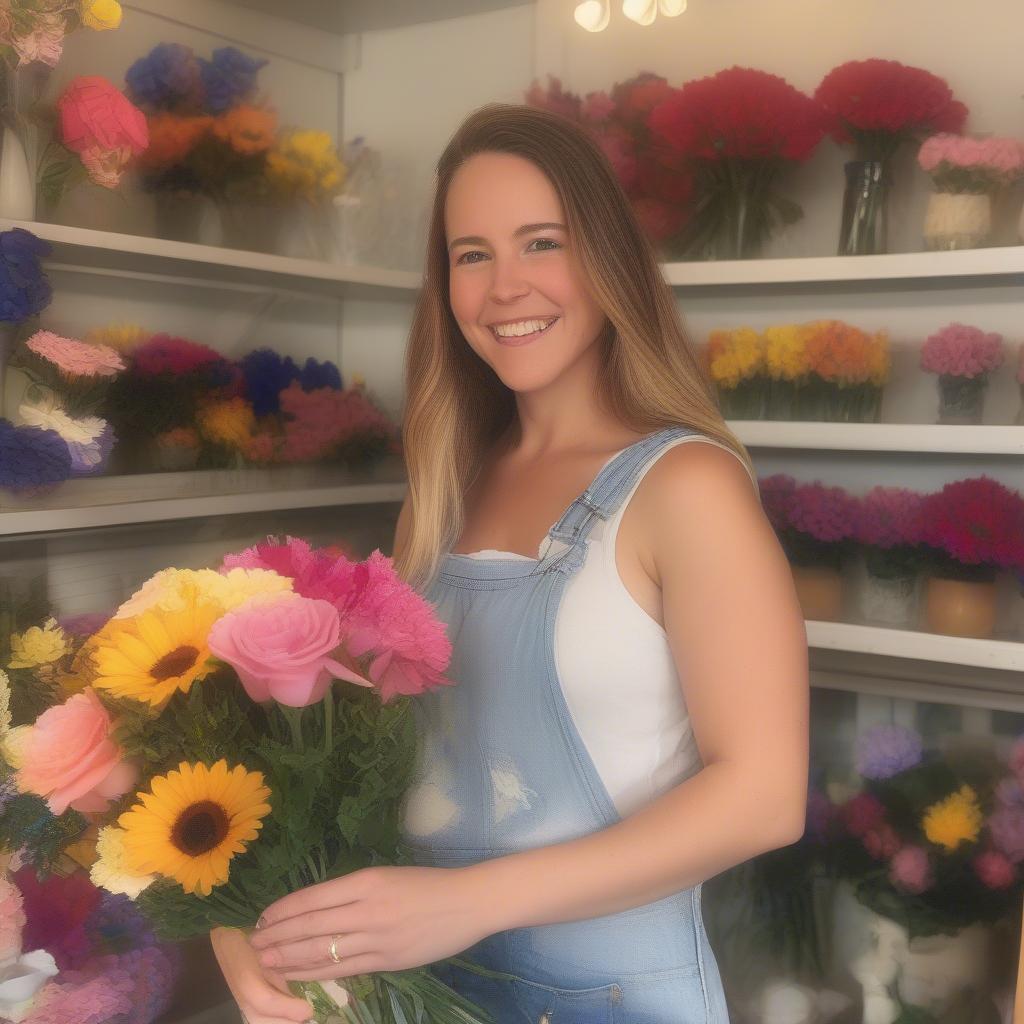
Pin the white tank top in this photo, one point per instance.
(617, 671)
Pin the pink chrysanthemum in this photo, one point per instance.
(911, 870)
(164, 353)
(860, 814)
(962, 351)
(889, 516)
(75, 358)
(824, 513)
(994, 870)
(977, 521)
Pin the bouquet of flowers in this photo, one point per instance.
(933, 842)
(236, 735)
(962, 164)
(785, 359)
(888, 531)
(963, 357)
(737, 130)
(846, 371)
(736, 363)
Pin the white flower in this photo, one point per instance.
(20, 980)
(108, 870)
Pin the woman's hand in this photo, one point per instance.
(385, 919)
(261, 994)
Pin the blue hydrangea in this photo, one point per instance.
(267, 374)
(886, 750)
(167, 78)
(24, 288)
(229, 78)
(319, 375)
(31, 458)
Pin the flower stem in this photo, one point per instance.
(329, 720)
(294, 717)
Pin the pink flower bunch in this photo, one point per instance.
(75, 358)
(12, 919)
(888, 517)
(911, 870)
(960, 163)
(977, 521)
(825, 513)
(101, 993)
(164, 353)
(102, 126)
(959, 350)
(382, 618)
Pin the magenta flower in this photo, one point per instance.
(994, 870)
(889, 516)
(824, 513)
(962, 351)
(911, 870)
(163, 353)
(861, 813)
(75, 358)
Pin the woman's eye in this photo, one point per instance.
(476, 252)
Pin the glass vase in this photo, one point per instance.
(957, 220)
(961, 399)
(889, 600)
(864, 228)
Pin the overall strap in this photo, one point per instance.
(603, 497)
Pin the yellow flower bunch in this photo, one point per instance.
(121, 337)
(172, 590)
(101, 14)
(734, 356)
(879, 358)
(955, 820)
(842, 354)
(39, 645)
(785, 351)
(229, 422)
(306, 163)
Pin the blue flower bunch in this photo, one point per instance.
(31, 458)
(267, 374)
(315, 375)
(24, 288)
(229, 78)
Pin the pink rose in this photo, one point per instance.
(70, 759)
(282, 648)
(95, 115)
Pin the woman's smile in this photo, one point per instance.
(522, 339)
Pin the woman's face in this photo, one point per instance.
(512, 272)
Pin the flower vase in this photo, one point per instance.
(961, 399)
(889, 600)
(311, 232)
(957, 220)
(251, 225)
(17, 187)
(960, 607)
(819, 589)
(865, 221)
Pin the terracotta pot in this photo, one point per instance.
(820, 590)
(960, 607)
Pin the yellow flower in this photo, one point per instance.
(306, 163)
(122, 337)
(39, 645)
(734, 356)
(955, 820)
(785, 351)
(230, 422)
(192, 822)
(109, 871)
(171, 589)
(151, 656)
(101, 14)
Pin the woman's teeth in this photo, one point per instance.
(527, 330)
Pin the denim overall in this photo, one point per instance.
(502, 769)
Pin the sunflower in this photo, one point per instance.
(150, 656)
(192, 822)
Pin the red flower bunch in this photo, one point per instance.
(163, 353)
(878, 104)
(739, 114)
(975, 523)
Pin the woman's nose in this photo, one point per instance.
(508, 282)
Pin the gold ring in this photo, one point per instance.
(333, 949)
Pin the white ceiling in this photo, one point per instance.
(342, 16)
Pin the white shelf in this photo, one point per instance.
(1004, 655)
(996, 262)
(138, 255)
(881, 437)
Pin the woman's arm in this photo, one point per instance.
(738, 638)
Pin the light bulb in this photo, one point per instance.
(671, 8)
(643, 12)
(593, 15)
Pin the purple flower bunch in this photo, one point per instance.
(959, 350)
(31, 459)
(24, 288)
(814, 523)
(887, 750)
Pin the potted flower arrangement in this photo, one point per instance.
(785, 360)
(815, 526)
(963, 357)
(738, 131)
(846, 369)
(735, 361)
(31, 43)
(965, 174)
(972, 529)
(877, 106)
(928, 849)
(888, 533)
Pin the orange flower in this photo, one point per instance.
(172, 138)
(248, 130)
(840, 353)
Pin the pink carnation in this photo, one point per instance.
(994, 870)
(75, 358)
(95, 115)
(860, 814)
(999, 158)
(163, 353)
(282, 648)
(881, 842)
(889, 516)
(12, 919)
(962, 351)
(824, 513)
(70, 758)
(911, 870)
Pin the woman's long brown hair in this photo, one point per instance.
(456, 407)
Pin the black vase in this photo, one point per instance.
(865, 225)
